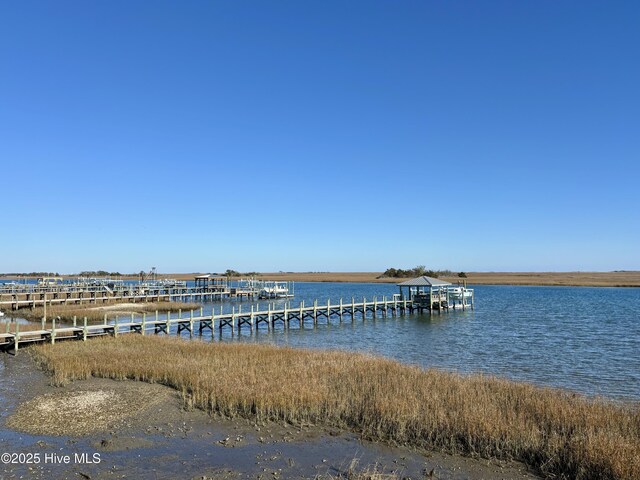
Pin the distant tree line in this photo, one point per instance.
(99, 273)
(235, 273)
(418, 271)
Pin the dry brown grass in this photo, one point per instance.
(556, 432)
(582, 279)
(10, 327)
(96, 313)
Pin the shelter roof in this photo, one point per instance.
(424, 281)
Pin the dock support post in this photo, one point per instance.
(251, 318)
(285, 317)
(353, 309)
(115, 328)
(328, 310)
(75, 319)
(144, 322)
(157, 315)
(233, 320)
(53, 331)
(302, 314)
(340, 311)
(84, 330)
(16, 339)
(430, 300)
(315, 312)
(269, 317)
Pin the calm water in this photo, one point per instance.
(584, 339)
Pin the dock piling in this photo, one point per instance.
(16, 340)
(315, 312)
(353, 309)
(397, 305)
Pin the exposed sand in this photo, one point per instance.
(117, 306)
(92, 408)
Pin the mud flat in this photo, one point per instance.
(144, 432)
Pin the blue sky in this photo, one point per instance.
(319, 136)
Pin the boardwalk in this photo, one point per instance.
(223, 322)
(17, 299)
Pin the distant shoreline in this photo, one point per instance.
(575, 279)
(590, 279)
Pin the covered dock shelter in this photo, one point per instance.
(434, 294)
(212, 283)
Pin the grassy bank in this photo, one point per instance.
(10, 327)
(96, 313)
(555, 432)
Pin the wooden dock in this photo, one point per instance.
(223, 322)
(76, 296)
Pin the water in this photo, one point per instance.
(580, 338)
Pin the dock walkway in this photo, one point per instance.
(224, 322)
(15, 300)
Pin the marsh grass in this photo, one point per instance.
(10, 327)
(558, 433)
(96, 312)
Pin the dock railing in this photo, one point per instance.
(224, 322)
